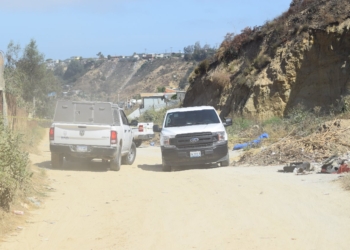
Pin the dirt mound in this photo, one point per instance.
(331, 138)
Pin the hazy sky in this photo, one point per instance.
(65, 28)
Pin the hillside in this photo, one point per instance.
(104, 80)
(299, 58)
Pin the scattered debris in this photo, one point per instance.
(335, 165)
(35, 201)
(252, 143)
(18, 212)
(296, 167)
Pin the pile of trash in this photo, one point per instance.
(333, 165)
(331, 138)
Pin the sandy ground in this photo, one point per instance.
(141, 207)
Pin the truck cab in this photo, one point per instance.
(191, 136)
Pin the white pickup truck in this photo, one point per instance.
(191, 136)
(143, 132)
(88, 130)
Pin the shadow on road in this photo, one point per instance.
(192, 167)
(154, 168)
(92, 166)
(158, 167)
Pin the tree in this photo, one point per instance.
(74, 70)
(100, 55)
(29, 77)
(188, 51)
(160, 89)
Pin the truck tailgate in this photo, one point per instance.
(78, 134)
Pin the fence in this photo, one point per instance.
(17, 117)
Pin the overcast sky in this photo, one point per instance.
(65, 28)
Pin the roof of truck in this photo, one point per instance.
(190, 109)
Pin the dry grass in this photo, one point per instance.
(220, 78)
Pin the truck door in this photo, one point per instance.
(127, 134)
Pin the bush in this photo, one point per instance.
(13, 166)
(261, 62)
(220, 78)
(153, 116)
(203, 67)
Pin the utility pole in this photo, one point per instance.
(2, 88)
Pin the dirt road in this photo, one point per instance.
(141, 207)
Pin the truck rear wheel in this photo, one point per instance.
(56, 160)
(116, 161)
(130, 157)
(138, 143)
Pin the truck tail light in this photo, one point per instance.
(52, 133)
(140, 128)
(114, 137)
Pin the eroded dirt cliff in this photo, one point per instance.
(302, 57)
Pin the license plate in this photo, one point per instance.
(195, 154)
(81, 148)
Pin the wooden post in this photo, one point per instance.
(2, 89)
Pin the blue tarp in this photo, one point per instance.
(252, 143)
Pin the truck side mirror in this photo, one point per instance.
(228, 122)
(156, 128)
(134, 123)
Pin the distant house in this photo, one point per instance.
(155, 100)
(148, 56)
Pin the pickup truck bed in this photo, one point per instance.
(88, 130)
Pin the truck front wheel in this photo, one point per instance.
(165, 167)
(56, 160)
(226, 162)
(116, 161)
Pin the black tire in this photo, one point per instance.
(56, 160)
(226, 162)
(166, 167)
(116, 161)
(138, 143)
(130, 157)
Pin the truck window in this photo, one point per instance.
(125, 120)
(188, 118)
(116, 117)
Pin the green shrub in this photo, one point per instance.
(13, 166)
(153, 116)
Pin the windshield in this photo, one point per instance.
(178, 119)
